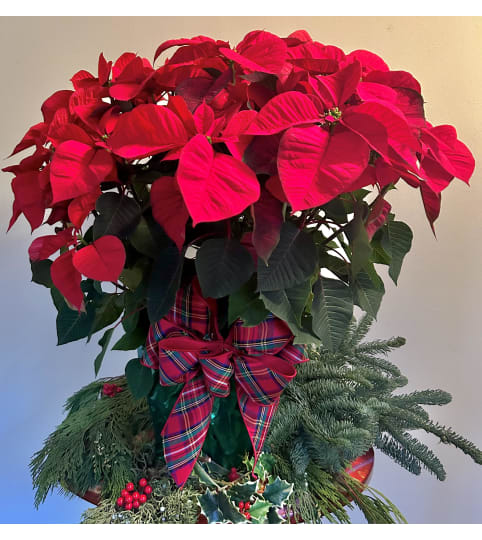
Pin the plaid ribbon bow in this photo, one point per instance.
(186, 347)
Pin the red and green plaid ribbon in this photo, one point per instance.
(186, 347)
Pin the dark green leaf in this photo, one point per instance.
(288, 304)
(131, 277)
(223, 265)
(332, 310)
(246, 304)
(118, 215)
(278, 491)
(139, 378)
(107, 311)
(210, 506)
(292, 262)
(104, 343)
(58, 299)
(131, 341)
(368, 291)
(148, 238)
(396, 241)
(164, 282)
(229, 511)
(242, 492)
(273, 517)
(41, 272)
(73, 325)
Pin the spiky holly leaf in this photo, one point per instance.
(259, 511)
(218, 508)
(278, 491)
(242, 492)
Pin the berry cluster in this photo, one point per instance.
(244, 507)
(111, 389)
(132, 500)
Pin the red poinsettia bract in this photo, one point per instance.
(270, 121)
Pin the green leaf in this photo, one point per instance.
(139, 378)
(230, 512)
(359, 241)
(278, 491)
(210, 507)
(368, 291)
(246, 304)
(292, 262)
(396, 241)
(218, 508)
(73, 325)
(223, 266)
(273, 517)
(131, 277)
(288, 304)
(131, 341)
(332, 310)
(41, 272)
(107, 311)
(148, 238)
(259, 511)
(104, 343)
(58, 299)
(242, 492)
(118, 215)
(164, 282)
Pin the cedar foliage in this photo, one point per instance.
(101, 440)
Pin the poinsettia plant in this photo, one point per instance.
(252, 167)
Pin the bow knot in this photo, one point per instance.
(186, 347)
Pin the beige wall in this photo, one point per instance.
(437, 303)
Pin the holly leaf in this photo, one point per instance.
(223, 266)
(139, 378)
(164, 282)
(259, 511)
(104, 343)
(242, 492)
(273, 517)
(396, 241)
(118, 215)
(230, 512)
(278, 491)
(332, 311)
(292, 262)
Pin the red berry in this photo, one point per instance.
(247, 516)
(136, 495)
(124, 493)
(247, 505)
(129, 499)
(148, 490)
(120, 501)
(142, 499)
(130, 486)
(128, 506)
(142, 482)
(241, 505)
(136, 504)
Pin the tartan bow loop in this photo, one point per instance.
(186, 347)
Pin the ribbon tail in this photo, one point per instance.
(186, 428)
(257, 419)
